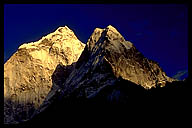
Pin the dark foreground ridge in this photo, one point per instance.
(115, 101)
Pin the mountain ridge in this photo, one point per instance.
(71, 69)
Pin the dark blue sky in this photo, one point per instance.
(160, 32)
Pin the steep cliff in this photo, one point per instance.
(28, 74)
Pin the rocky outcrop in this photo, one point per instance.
(28, 74)
(108, 58)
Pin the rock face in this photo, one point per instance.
(107, 59)
(28, 74)
(59, 66)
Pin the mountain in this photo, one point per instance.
(109, 66)
(28, 74)
(57, 71)
(108, 57)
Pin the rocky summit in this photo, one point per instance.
(28, 74)
(59, 66)
(108, 57)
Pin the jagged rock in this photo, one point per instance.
(28, 74)
(107, 58)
